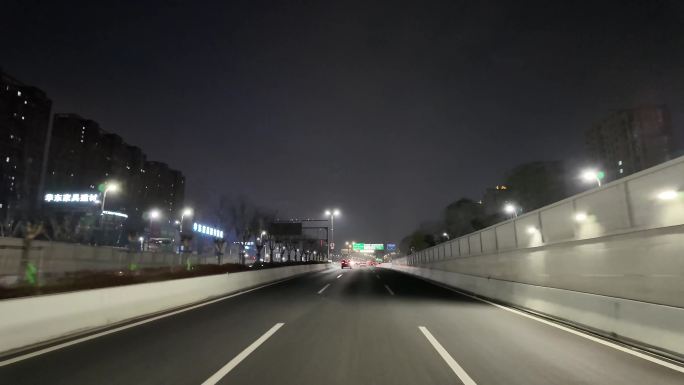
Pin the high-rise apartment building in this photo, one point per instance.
(630, 140)
(24, 122)
(84, 156)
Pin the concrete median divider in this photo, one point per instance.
(29, 321)
(655, 327)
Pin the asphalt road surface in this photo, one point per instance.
(361, 326)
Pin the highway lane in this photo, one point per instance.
(358, 328)
(182, 349)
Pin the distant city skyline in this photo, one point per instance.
(65, 158)
(389, 113)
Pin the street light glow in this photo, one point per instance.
(581, 217)
(187, 211)
(509, 208)
(154, 214)
(334, 212)
(113, 187)
(667, 195)
(591, 175)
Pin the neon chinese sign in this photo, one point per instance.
(71, 198)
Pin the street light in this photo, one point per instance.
(153, 215)
(186, 213)
(667, 195)
(444, 234)
(332, 214)
(113, 187)
(591, 175)
(510, 208)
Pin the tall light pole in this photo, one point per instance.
(264, 242)
(332, 214)
(186, 213)
(510, 208)
(154, 214)
(446, 235)
(113, 187)
(593, 176)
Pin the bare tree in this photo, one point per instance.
(242, 218)
(272, 243)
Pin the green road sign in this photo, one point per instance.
(368, 246)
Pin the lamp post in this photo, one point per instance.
(186, 213)
(153, 215)
(113, 187)
(446, 235)
(332, 214)
(264, 242)
(593, 176)
(510, 208)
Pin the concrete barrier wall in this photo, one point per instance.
(57, 257)
(650, 325)
(628, 242)
(645, 265)
(650, 199)
(611, 259)
(27, 321)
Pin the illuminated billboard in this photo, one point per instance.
(285, 228)
(71, 198)
(203, 229)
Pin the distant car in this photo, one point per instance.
(346, 263)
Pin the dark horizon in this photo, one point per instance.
(388, 113)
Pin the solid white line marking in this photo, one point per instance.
(104, 333)
(388, 289)
(243, 354)
(569, 330)
(339, 276)
(323, 289)
(458, 370)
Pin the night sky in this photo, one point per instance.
(386, 110)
